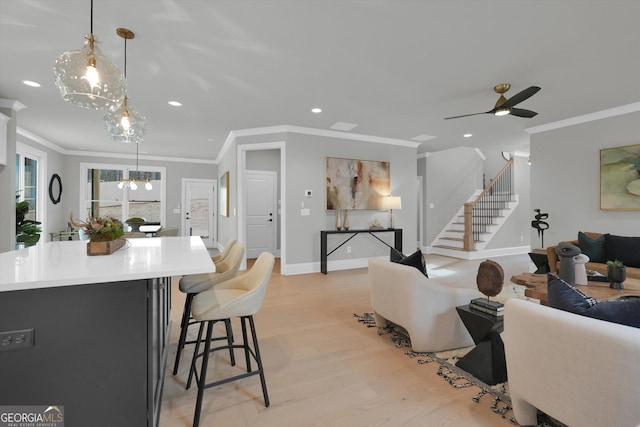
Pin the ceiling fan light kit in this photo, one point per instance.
(506, 106)
(87, 78)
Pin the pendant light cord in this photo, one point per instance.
(91, 32)
(125, 57)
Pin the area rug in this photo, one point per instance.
(456, 377)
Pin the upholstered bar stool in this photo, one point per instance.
(219, 257)
(193, 284)
(239, 297)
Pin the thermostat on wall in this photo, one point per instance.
(308, 193)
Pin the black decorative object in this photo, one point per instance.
(55, 188)
(617, 274)
(539, 224)
(567, 271)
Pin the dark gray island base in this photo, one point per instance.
(99, 350)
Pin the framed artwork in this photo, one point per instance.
(223, 194)
(355, 184)
(620, 178)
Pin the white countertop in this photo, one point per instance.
(66, 263)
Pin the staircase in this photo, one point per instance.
(477, 221)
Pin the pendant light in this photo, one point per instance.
(132, 183)
(87, 78)
(123, 123)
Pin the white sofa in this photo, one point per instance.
(580, 371)
(425, 308)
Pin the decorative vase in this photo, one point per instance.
(345, 222)
(616, 276)
(338, 220)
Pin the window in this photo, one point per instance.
(30, 179)
(100, 194)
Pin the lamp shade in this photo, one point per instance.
(88, 79)
(392, 202)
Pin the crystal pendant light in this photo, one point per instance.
(87, 78)
(123, 123)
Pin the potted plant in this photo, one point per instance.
(616, 273)
(27, 230)
(135, 222)
(105, 234)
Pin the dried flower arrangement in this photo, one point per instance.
(99, 229)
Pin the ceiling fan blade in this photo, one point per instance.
(519, 112)
(466, 115)
(520, 96)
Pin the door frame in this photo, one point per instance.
(183, 203)
(241, 222)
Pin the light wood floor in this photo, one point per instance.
(323, 368)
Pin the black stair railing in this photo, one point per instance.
(480, 214)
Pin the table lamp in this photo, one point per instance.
(391, 203)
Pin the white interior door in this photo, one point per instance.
(198, 211)
(261, 214)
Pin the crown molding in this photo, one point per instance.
(12, 104)
(585, 118)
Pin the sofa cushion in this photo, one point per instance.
(594, 248)
(566, 297)
(415, 259)
(625, 249)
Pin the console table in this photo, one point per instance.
(353, 233)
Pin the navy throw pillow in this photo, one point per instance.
(415, 260)
(595, 249)
(625, 249)
(566, 297)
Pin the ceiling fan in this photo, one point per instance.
(505, 106)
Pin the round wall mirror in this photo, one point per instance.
(55, 188)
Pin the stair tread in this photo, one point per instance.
(453, 248)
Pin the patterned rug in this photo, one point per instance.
(458, 378)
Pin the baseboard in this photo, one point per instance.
(314, 267)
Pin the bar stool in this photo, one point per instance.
(227, 248)
(193, 284)
(239, 297)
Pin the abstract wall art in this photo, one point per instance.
(355, 184)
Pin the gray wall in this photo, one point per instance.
(306, 171)
(305, 160)
(565, 178)
(452, 177)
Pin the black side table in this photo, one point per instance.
(486, 361)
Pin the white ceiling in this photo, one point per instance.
(394, 68)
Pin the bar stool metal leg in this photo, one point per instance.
(184, 325)
(203, 371)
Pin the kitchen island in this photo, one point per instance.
(90, 333)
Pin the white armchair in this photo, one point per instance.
(425, 308)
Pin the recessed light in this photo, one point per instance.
(468, 135)
(175, 103)
(210, 139)
(31, 83)
(316, 110)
